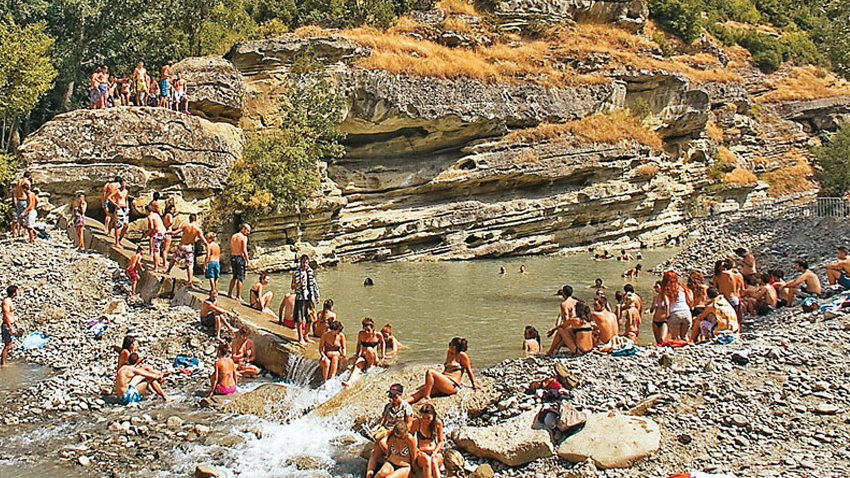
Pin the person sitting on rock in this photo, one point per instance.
(531, 341)
(128, 347)
(400, 451)
(332, 350)
(807, 284)
(132, 381)
(367, 354)
(630, 313)
(761, 298)
(214, 316)
(838, 272)
(392, 344)
(395, 411)
(243, 354)
(430, 440)
(605, 325)
(577, 334)
(718, 315)
(447, 382)
(324, 318)
(259, 299)
(223, 378)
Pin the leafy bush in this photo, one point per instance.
(682, 17)
(9, 166)
(798, 47)
(765, 49)
(279, 167)
(666, 48)
(833, 173)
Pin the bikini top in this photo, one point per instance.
(453, 367)
(405, 451)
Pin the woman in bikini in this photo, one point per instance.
(658, 309)
(368, 341)
(428, 430)
(699, 289)
(243, 354)
(223, 378)
(447, 382)
(578, 333)
(324, 318)
(400, 449)
(392, 344)
(332, 349)
(259, 300)
(127, 348)
(78, 218)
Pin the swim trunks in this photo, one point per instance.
(301, 313)
(20, 205)
(238, 266)
(122, 217)
(132, 273)
(158, 238)
(844, 280)
(29, 219)
(131, 396)
(141, 86)
(163, 88)
(220, 390)
(213, 270)
(185, 252)
(179, 96)
(7, 333)
(103, 88)
(110, 208)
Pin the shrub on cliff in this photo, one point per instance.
(9, 166)
(279, 166)
(833, 163)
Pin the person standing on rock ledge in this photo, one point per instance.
(8, 326)
(121, 214)
(306, 292)
(189, 233)
(20, 197)
(108, 208)
(239, 262)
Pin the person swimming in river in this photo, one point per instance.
(223, 378)
(332, 350)
(449, 381)
(598, 285)
(633, 272)
(502, 271)
(259, 299)
(392, 344)
(625, 256)
(531, 341)
(367, 355)
(523, 270)
(368, 282)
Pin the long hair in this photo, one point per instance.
(695, 279)
(670, 286)
(432, 427)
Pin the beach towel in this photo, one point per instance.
(187, 365)
(34, 340)
(97, 327)
(625, 350)
(673, 343)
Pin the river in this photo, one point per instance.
(428, 303)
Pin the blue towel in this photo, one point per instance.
(34, 340)
(183, 361)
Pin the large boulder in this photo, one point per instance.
(612, 441)
(627, 14)
(214, 86)
(816, 114)
(668, 103)
(364, 400)
(150, 147)
(514, 442)
(270, 401)
(277, 54)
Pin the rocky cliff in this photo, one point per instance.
(444, 161)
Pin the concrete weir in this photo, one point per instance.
(276, 346)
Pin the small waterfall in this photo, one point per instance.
(301, 370)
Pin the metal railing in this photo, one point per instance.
(813, 208)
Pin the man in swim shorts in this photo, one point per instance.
(306, 292)
(156, 231)
(806, 285)
(20, 195)
(181, 100)
(132, 381)
(140, 82)
(838, 272)
(189, 233)
(212, 261)
(239, 262)
(121, 217)
(8, 327)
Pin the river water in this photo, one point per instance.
(428, 303)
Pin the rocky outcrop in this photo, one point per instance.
(276, 54)
(627, 14)
(151, 147)
(214, 86)
(364, 400)
(270, 401)
(815, 115)
(514, 442)
(668, 103)
(612, 441)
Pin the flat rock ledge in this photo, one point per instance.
(612, 441)
(513, 442)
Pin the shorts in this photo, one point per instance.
(158, 239)
(301, 313)
(163, 88)
(844, 280)
(179, 96)
(706, 327)
(132, 273)
(29, 218)
(141, 86)
(130, 396)
(20, 205)
(102, 88)
(213, 270)
(110, 208)
(94, 95)
(208, 320)
(122, 217)
(762, 308)
(7, 333)
(238, 267)
(185, 252)
(679, 318)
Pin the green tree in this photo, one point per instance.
(9, 166)
(833, 163)
(279, 167)
(26, 73)
(682, 17)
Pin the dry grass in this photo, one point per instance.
(647, 171)
(617, 127)
(457, 6)
(725, 155)
(713, 131)
(789, 179)
(455, 24)
(806, 83)
(740, 176)
(529, 60)
(527, 156)
(311, 31)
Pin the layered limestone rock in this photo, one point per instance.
(627, 14)
(668, 103)
(214, 87)
(814, 115)
(276, 54)
(152, 148)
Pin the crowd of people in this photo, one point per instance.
(140, 89)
